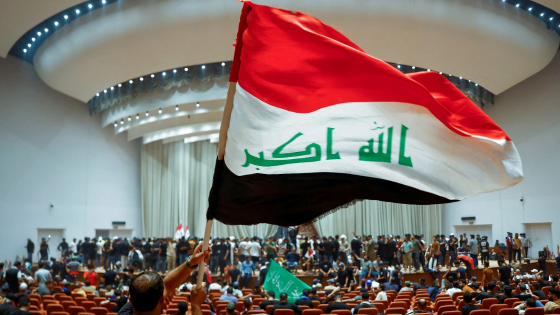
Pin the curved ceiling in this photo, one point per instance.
(17, 17)
(133, 38)
(489, 42)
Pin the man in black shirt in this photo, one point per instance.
(182, 249)
(390, 251)
(326, 269)
(284, 305)
(504, 272)
(110, 278)
(63, 247)
(342, 275)
(337, 305)
(304, 300)
(44, 249)
(537, 291)
(304, 246)
(313, 296)
(270, 300)
(356, 245)
(542, 262)
(30, 250)
(262, 273)
(469, 307)
(329, 249)
(381, 246)
(452, 244)
(337, 249)
(488, 294)
(364, 304)
(508, 294)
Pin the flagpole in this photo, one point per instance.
(221, 153)
(206, 241)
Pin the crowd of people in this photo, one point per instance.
(370, 265)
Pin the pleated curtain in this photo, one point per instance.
(177, 177)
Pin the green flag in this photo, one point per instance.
(280, 280)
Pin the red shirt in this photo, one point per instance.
(91, 277)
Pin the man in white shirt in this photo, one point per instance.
(243, 249)
(381, 294)
(216, 285)
(455, 288)
(255, 250)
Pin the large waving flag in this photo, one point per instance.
(317, 123)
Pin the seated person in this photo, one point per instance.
(469, 307)
(229, 296)
(248, 304)
(337, 304)
(365, 303)
(270, 300)
(304, 300)
(507, 294)
(284, 305)
(230, 309)
(422, 307)
(521, 308)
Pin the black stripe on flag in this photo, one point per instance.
(293, 199)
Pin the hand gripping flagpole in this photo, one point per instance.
(223, 133)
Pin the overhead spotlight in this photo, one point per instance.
(103, 1)
(120, 85)
(551, 19)
(46, 30)
(476, 84)
(24, 50)
(542, 14)
(223, 64)
(97, 94)
(399, 66)
(152, 75)
(203, 67)
(186, 69)
(129, 119)
(440, 72)
(469, 80)
(176, 107)
(137, 116)
(503, 0)
(122, 121)
(38, 33)
(66, 17)
(141, 79)
(174, 70)
(90, 6)
(130, 81)
(429, 70)
(450, 74)
(55, 23)
(28, 45)
(163, 74)
(197, 104)
(160, 111)
(33, 39)
(413, 67)
(112, 88)
(530, 9)
(517, 5)
(115, 124)
(104, 91)
(147, 114)
(460, 78)
(77, 11)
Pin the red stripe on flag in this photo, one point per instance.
(295, 62)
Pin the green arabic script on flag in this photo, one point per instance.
(280, 280)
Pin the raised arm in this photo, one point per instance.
(178, 275)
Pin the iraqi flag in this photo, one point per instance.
(179, 232)
(316, 123)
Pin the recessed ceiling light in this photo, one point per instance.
(115, 124)
(176, 107)
(120, 85)
(517, 5)
(530, 9)
(542, 14)
(152, 75)
(97, 94)
(46, 30)
(141, 79)
(103, 1)
(55, 23)
(203, 67)
(197, 104)
(90, 6)
(77, 11)
(137, 116)
(129, 119)
(28, 45)
(413, 67)
(163, 74)
(104, 91)
(429, 70)
(399, 66)
(223, 64)
(160, 111)
(66, 17)
(551, 19)
(38, 33)
(122, 121)
(33, 39)
(130, 81)
(186, 69)
(112, 88)
(24, 50)
(174, 70)
(147, 114)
